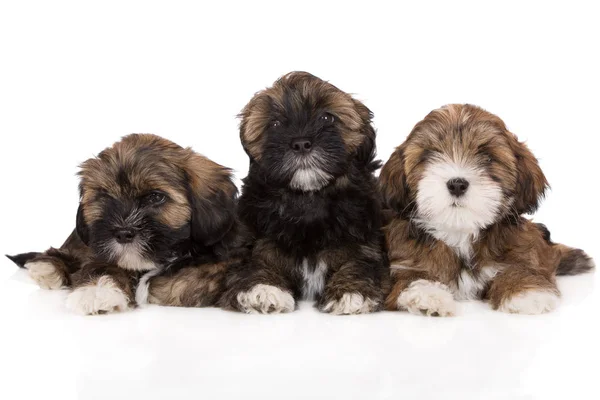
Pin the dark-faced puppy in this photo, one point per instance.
(458, 187)
(309, 202)
(146, 204)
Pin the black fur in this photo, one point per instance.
(293, 228)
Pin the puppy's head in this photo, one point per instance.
(145, 200)
(460, 169)
(304, 132)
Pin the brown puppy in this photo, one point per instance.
(310, 202)
(458, 187)
(148, 207)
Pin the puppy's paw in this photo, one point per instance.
(45, 274)
(530, 302)
(266, 299)
(429, 298)
(351, 303)
(102, 297)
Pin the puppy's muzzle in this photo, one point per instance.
(457, 186)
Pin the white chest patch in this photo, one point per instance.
(460, 242)
(143, 289)
(470, 285)
(314, 279)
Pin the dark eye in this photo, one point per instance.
(327, 118)
(275, 124)
(154, 199)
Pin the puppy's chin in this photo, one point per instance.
(309, 172)
(442, 214)
(310, 180)
(130, 256)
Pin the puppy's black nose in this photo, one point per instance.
(125, 235)
(301, 145)
(457, 186)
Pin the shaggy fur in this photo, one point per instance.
(309, 202)
(152, 212)
(458, 188)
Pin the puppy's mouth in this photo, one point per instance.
(131, 256)
(456, 204)
(308, 171)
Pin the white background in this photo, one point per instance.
(75, 77)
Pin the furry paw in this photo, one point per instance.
(530, 302)
(102, 297)
(45, 274)
(351, 303)
(429, 298)
(266, 299)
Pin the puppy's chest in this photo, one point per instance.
(474, 275)
(471, 283)
(307, 208)
(312, 276)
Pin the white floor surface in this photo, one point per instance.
(170, 353)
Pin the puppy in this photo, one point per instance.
(309, 202)
(458, 188)
(148, 207)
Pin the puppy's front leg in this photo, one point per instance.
(100, 288)
(419, 292)
(52, 269)
(521, 290)
(262, 283)
(356, 287)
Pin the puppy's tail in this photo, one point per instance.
(572, 261)
(22, 259)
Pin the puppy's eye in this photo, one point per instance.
(275, 124)
(327, 118)
(154, 199)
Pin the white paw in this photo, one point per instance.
(531, 302)
(266, 299)
(102, 297)
(351, 303)
(44, 273)
(428, 298)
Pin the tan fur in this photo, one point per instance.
(523, 257)
(257, 113)
(463, 131)
(510, 257)
(167, 163)
(194, 286)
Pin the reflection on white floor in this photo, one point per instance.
(170, 353)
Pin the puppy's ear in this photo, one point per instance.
(366, 150)
(212, 195)
(531, 182)
(392, 183)
(81, 227)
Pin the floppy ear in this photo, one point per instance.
(365, 152)
(81, 227)
(531, 182)
(212, 196)
(392, 183)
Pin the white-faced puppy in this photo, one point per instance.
(309, 202)
(458, 187)
(147, 207)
